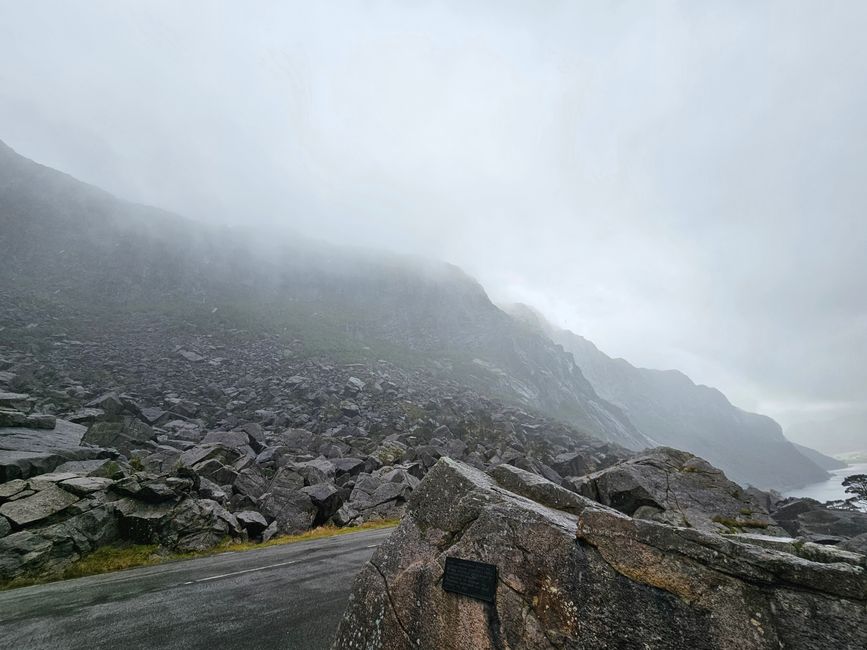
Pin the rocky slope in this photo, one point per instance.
(67, 245)
(183, 439)
(572, 573)
(672, 410)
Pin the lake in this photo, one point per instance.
(831, 489)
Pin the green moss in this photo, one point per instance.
(736, 525)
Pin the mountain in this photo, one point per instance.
(825, 462)
(70, 248)
(668, 407)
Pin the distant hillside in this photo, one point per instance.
(825, 462)
(76, 248)
(668, 407)
(840, 435)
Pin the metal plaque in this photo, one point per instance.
(470, 578)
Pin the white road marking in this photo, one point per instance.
(237, 573)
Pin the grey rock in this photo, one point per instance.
(124, 434)
(5, 526)
(109, 403)
(675, 487)
(41, 505)
(85, 485)
(857, 544)
(41, 421)
(210, 490)
(144, 487)
(538, 489)
(10, 489)
(596, 579)
(326, 498)
(270, 531)
(253, 522)
(810, 519)
(215, 471)
(44, 481)
(16, 402)
(10, 418)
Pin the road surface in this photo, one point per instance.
(288, 596)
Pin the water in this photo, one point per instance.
(832, 489)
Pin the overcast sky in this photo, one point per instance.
(681, 182)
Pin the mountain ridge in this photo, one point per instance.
(673, 410)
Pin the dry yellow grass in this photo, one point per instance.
(117, 558)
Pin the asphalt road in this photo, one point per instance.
(288, 596)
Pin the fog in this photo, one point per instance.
(681, 182)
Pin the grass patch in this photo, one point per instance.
(736, 524)
(117, 558)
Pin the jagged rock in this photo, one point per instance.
(84, 485)
(41, 421)
(44, 481)
(124, 434)
(109, 403)
(191, 524)
(10, 418)
(376, 498)
(857, 544)
(5, 526)
(100, 467)
(318, 470)
(350, 466)
(210, 490)
(214, 451)
(16, 402)
(675, 487)
(152, 415)
(538, 489)
(293, 510)
(270, 531)
(598, 579)
(191, 356)
(41, 505)
(10, 489)
(149, 488)
(326, 498)
(810, 519)
(48, 550)
(253, 522)
(349, 408)
(251, 482)
(570, 464)
(215, 471)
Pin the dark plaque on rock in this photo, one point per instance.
(473, 579)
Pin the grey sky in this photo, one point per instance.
(681, 182)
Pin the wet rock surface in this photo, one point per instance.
(590, 576)
(678, 488)
(186, 453)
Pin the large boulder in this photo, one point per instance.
(124, 433)
(591, 577)
(285, 503)
(677, 488)
(50, 549)
(189, 525)
(40, 505)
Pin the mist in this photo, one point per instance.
(680, 182)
